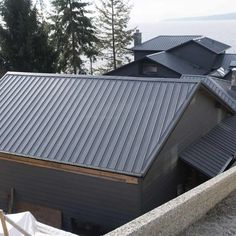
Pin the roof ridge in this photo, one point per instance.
(102, 77)
(165, 35)
(146, 41)
(229, 54)
(179, 35)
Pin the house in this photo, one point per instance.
(160, 43)
(89, 152)
(211, 154)
(174, 56)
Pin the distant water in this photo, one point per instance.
(224, 31)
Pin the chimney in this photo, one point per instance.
(233, 80)
(137, 38)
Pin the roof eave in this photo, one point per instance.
(117, 172)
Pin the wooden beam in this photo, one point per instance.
(69, 168)
(4, 225)
(16, 226)
(11, 201)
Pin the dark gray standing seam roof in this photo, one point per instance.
(225, 61)
(226, 85)
(114, 124)
(213, 153)
(164, 42)
(219, 88)
(177, 64)
(211, 44)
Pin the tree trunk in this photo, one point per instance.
(91, 65)
(73, 39)
(113, 35)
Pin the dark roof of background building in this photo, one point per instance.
(211, 44)
(110, 123)
(164, 42)
(225, 61)
(220, 73)
(177, 64)
(213, 153)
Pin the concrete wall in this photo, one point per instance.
(166, 173)
(176, 215)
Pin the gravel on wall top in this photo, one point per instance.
(221, 220)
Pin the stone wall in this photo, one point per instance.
(176, 215)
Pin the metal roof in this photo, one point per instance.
(219, 73)
(164, 42)
(115, 124)
(212, 45)
(219, 88)
(177, 64)
(213, 153)
(225, 60)
(233, 63)
(226, 85)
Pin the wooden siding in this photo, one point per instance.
(98, 201)
(160, 183)
(69, 168)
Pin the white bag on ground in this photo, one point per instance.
(28, 223)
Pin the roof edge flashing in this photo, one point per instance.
(102, 77)
(58, 165)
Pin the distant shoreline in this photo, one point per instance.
(222, 17)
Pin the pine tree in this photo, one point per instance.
(114, 33)
(73, 34)
(23, 40)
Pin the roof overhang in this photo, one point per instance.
(75, 169)
(213, 153)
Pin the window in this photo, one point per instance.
(150, 68)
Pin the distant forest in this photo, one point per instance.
(67, 38)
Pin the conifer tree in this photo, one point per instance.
(114, 33)
(73, 34)
(23, 41)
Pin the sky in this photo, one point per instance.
(146, 15)
(149, 16)
(151, 11)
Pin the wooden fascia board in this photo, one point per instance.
(69, 168)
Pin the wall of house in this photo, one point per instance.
(87, 199)
(131, 69)
(167, 173)
(161, 71)
(196, 54)
(136, 69)
(140, 54)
